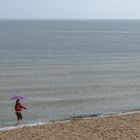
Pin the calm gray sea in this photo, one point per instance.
(68, 68)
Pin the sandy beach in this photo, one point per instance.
(113, 127)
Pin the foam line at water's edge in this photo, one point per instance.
(22, 126)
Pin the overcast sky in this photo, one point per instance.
(70, 9)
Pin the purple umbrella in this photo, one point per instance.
(17, 97)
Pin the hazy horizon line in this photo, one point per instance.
(65, 19)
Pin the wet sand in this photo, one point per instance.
(113, 127)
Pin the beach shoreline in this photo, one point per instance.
(123, 126)
(68, 119)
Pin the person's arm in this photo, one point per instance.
(23, 106)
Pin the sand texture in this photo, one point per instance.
(116, 127)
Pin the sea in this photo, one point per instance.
(68, 68)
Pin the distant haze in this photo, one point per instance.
(69, 9)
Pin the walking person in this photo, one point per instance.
(18, 111)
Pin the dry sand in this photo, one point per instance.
(116, 127)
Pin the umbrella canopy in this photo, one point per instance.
(17, 97)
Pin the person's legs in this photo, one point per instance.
(19, 117)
